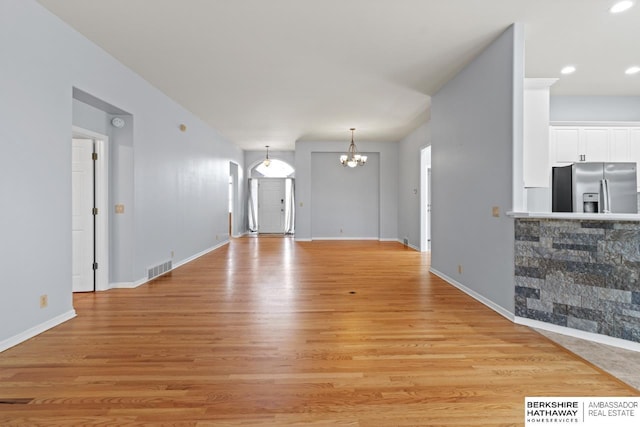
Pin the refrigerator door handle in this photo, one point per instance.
(606, 200)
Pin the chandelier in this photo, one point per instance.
(352, 158)
(267, 161)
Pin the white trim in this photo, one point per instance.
(576, 333)
(594, 123)
(102, 203)
(199, 254)
(300, 239)
(493, 306)
(390, 240)
(36, 330)
(140, 282)
(122, 285)
(539, 83)
(345, 238)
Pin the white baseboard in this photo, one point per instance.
(473, 294)
(576, 333)
(122, 285)
(199, 254)
(300, 239)
(345, 238)
(140, 282)
(36, 330)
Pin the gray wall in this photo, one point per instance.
(474, 119)
(409, 184)
(387, 178)
(346, 201)
(179, 187)
(595, 108)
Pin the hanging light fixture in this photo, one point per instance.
(267, 161)
(352, 158)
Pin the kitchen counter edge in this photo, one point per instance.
(575, 216)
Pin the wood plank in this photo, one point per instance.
(278, 332)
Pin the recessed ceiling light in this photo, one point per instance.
(569, 69)
(632, 70)
(621, 6)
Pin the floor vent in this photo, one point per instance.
(159, 270)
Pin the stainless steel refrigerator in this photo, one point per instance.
(595, 187)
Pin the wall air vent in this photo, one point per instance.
(158, 270)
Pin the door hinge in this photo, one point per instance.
(95, 265)
(94, 156)
(95, 211)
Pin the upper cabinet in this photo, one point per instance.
(569, 144)
(564, 143)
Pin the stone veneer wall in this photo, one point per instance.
(579, 274)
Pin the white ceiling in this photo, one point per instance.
(270, 72)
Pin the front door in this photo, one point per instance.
(271, 205)
(82, 215)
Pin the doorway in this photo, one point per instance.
(271, 205)
(233, 198)
(425, 199)
(271, 198)
(89, 211)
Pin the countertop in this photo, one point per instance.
(576, 216)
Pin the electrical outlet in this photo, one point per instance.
(459, 268)
(171, 254)
(44, 301)
(341, 231)
(217, 237)
(495, 211)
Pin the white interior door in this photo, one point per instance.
(428, 219)
(271, 205)
(82, 215)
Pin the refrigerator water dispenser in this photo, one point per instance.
(590, 202)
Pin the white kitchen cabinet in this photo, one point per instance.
(565, 144)
(594, 144)
(634, 149)
(619, 145)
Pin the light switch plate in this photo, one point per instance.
(119, 209)
(495, 211)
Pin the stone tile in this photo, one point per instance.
(604, 225)
(528, 292)
(631, 313)
(547, 317)
(575, 247)
(561, 309)
(529, 272)
(623, 278)
(586, 314)
(529, 282)
(635, 297)
(582, 324)
(538, 305)
(614, 295)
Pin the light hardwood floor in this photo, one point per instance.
(274, 332)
